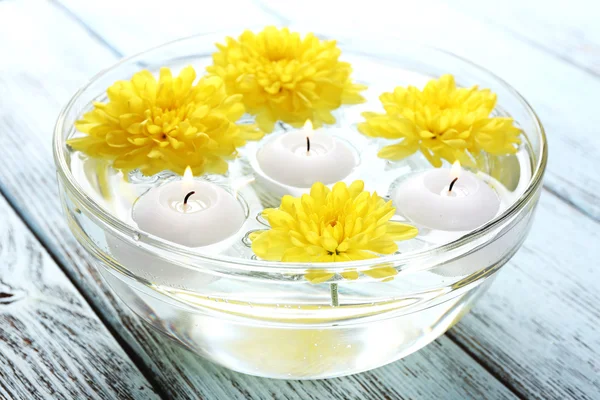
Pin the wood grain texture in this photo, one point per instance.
(52, 345)
(437, 371)
(571, 33)
(538, 327)
(531, 348)
(32, 89)
(180, 18)
(531, 330)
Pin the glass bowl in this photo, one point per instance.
(265, 318)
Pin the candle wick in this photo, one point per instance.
(452, 184)
(307, 144)
(187, 196)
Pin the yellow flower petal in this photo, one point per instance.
(400, 231)
(443, 121)
(284, 77)
(398, 151)
(343, 224)
(318, 276)
(381, 273)
(350, 275)
(294, 254)
(382, 246)
(166, 124)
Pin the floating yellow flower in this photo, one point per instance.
(284, 77)
(168, 124)
(443, 121)
(341, 224)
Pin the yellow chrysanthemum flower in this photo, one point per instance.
(443, 121)
(332, 225)
(166, 125)
(284, 77)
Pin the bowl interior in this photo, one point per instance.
(108, 198)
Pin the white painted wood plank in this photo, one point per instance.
(569, 30)
(39, 90)
(538, 328)
(440, 371)
(137, 25)
(539, 325)
(52, 345)
(561, 93)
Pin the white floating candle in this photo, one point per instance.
(455, 201)
(189, 212)
(300, 158)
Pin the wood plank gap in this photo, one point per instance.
(512, 388)
(568, 202)
(129, 351)
(86, 27)
(479, 360)
(284, 21)
(441, 370)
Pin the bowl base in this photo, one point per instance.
(297, 352)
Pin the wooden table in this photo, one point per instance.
(534, 335)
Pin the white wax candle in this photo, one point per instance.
(426, 199)
(288, 159)
(210, 214)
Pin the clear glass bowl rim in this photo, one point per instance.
(127, 232)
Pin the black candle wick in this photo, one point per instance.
(307, 144)
(187, 196)
(452, 184)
